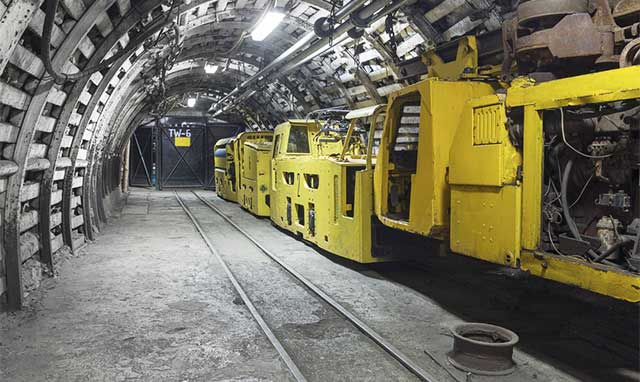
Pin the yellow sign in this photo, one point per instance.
(183, 141)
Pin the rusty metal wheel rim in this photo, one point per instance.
(479, 356)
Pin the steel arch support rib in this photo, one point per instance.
(23, 143)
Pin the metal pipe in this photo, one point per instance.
(317, 47)
(365, 15)
(343, 12)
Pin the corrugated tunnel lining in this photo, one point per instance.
(61, 144)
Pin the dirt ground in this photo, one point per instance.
(148, 301)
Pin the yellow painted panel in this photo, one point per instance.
(485, 223)
(441, 108)
(183, 141)
(481, 153)
(256, 176)
(610, 85)
(323, 200)
(596, 278)
(532, 178)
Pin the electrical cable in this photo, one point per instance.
(584, 188)
(563, 201)
(58, 77)
(551, 240)
(564, 139)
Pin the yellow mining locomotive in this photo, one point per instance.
(537, 176)
(225, 169)
(241, 170)
(254, 155)
(322, 182)
(539, 172)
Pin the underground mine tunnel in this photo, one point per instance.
(322, 190)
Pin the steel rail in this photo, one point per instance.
(293, 368)
(358, 323)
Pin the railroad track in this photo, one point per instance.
(382, 343)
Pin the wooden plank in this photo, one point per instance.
(56, 197)
(124, 6)
(84, 98)
(74, 8)
(28, 220)
(12, 31)
(30, 191)
(443, 9)
(26, 60)
(77, 221)
(8, 132)
(66, 141)
(29, 245)
(56, 96)
(104, 25)
(13, 97)
(460, 28)
(46, 124)
(56, 243)
(86, 47)
(58, 175)
(75, 118)
(37, 23)
(56, 219)
(37, 164)
(37, 150)
(221, 5)
(77, 182)
(7, 168)
(202, 10)
(63, 162)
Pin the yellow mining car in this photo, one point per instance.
(237, 176)
(537, 176)
(322, 183)
(225, 169)
(254, 152)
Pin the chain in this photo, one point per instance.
(393, 42)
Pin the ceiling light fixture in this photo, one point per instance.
(191, 102)
(268, 23)
(210, 68)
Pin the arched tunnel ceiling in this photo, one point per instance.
(61, 143)
(211, 30)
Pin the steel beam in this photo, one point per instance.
(25, 138)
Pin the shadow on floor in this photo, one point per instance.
(592, 337)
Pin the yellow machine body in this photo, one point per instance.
(607, 86)
(467, 183)
(255, 162)
(321, 190)
(225, 169)
(412, 192)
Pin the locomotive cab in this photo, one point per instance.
(322, 182)
(411, 189)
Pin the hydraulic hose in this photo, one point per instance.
(612, 249)
(595, 257)
(566, 209)
(565, 204)
(58, 77)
